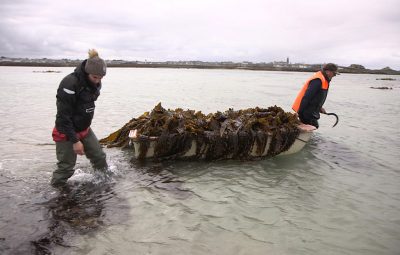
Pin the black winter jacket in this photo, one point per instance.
(75, 103)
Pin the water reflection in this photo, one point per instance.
(161, 177)
(77, 208)
(338, 155)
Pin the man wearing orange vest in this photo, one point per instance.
(309, 101)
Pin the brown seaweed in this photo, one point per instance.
(229, 134)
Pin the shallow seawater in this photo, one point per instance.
(339, 195)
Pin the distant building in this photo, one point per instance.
(280, 64)
(300, 65)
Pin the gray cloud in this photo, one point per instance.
(312, 31)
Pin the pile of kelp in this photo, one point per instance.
(229, 134)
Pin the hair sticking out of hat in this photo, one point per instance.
(94, 64)
(93, 53)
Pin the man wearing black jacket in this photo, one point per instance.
(76, 98)
(308, 103)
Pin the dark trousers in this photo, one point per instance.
(67, 158)
(313, 122)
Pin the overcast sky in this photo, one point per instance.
(345, 32)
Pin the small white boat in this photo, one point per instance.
(303, 137)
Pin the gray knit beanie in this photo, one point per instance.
(94, 64)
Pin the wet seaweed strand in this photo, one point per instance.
(216, 135)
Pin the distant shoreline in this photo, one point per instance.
(198, 65)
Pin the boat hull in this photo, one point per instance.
(304, 136)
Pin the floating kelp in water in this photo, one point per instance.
(381, 87)
(47, 71)
(229, 134)
(386, 79)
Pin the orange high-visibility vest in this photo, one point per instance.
(317, 75)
